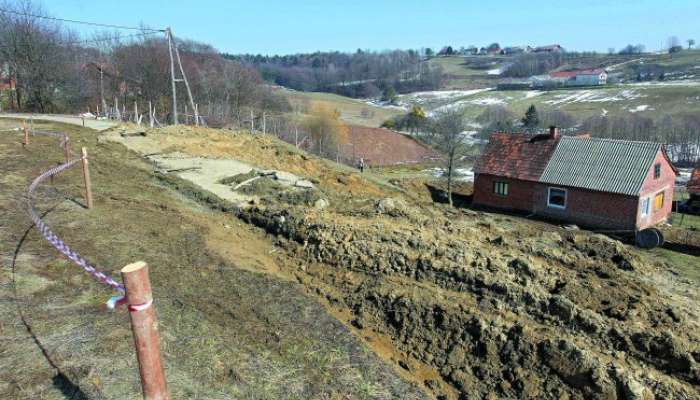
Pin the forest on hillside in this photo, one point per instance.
(361, 74)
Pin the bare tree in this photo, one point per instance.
(36, 56)
(445, 134)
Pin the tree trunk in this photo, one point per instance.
(449, 179)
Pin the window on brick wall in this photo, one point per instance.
(645, 207)
(556, 197)
(659, 201)
(500, 188)
(657, 171)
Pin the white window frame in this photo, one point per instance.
(645, 211)
(504, 185)
(549, 196)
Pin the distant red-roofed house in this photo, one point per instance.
(383, 147)
(582, 77)
(598, 183)
(7, 84)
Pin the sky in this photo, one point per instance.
(285, 27)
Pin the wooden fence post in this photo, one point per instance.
(144, 326)
(66, 147)
(86, 178)
(26, 133)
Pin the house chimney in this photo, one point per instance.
(554, 132)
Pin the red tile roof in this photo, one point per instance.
(516, 155)
(7, 84)
(384, 147)
(563, 74)
(694, 182)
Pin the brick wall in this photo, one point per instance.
(651, 186)
(586, 208)
(590, 209)
(519, 193)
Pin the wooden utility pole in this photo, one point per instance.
(169, 33)
(184, 77)
(86, 178)
(102, 92)
(144, 326)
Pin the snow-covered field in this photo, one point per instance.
(667, 83)
(532, 93)
(683, 176)
(590, 96)
(438, 95)
(495, 71)
(460, 174)
(639, 108)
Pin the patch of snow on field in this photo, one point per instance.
(422, 97)
(384, 104)
(667, 83)
(683, 176)
(639, 108)
(459, 174)
(469, 137)
(604, 112)
(591, 96)
(495, 71)
(532, 93)
(488, 101)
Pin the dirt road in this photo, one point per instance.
(98, 125)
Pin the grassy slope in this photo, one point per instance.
(461, 74)
(660, 100)
(665, 98)
(225, 332)
(350, 109)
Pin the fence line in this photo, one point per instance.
(136, 285)
(53, 239)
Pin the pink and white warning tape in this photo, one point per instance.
(62, 246)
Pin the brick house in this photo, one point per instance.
(595, 183)
(693, 187)
(582, 77)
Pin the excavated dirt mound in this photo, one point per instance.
(475, 305)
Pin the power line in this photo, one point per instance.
(107, 39)
(81, 22)
(88, 41)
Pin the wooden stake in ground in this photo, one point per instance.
(86, 178)
(26, 134)
(66, 147)
(145, 330)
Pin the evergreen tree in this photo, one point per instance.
(389, 95)
(531, 119)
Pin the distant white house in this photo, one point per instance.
(581, 77)
(552, 48)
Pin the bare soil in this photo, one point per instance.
(481, 305)
(461, 304)
(233, 322)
